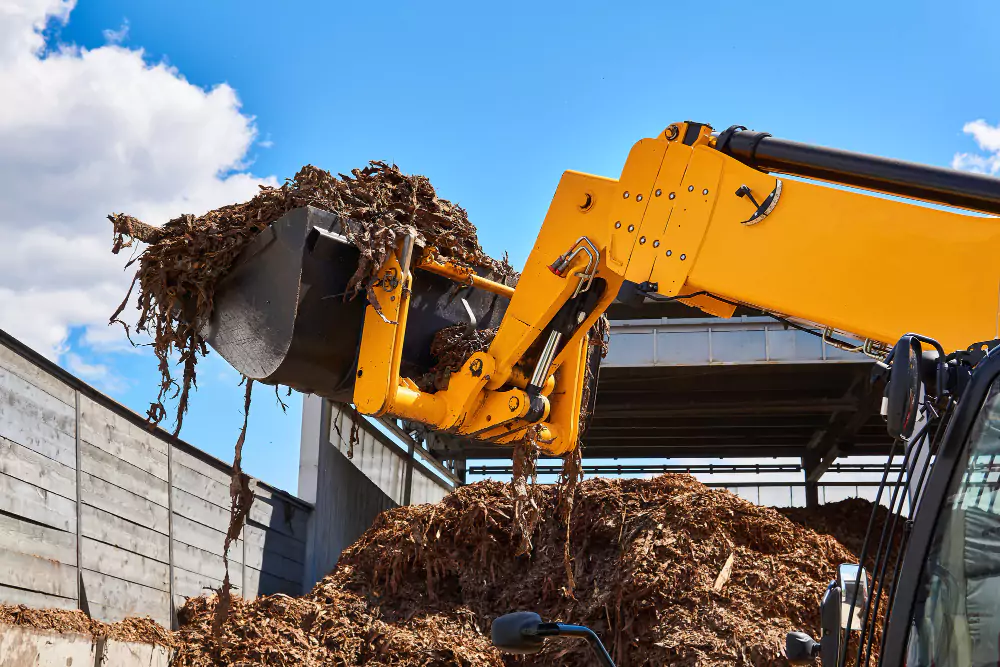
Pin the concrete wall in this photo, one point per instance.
(350, 492)
(29, 647)
(100, 513)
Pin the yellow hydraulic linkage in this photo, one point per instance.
(690, 216)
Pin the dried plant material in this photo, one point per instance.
(422, 586)
(522, 489)
(451, 347)
(141, 630)
(185, 258)
(847, 521)
(329, 626)
(572, 472)
(598, 338)
(241, 495)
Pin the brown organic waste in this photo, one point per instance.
(450, 347)
(847, 521)
(422, 586)
(142, 630)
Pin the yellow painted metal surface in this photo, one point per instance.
(381, 341)
(465, 276)
(695, 195)
(540, 293)
(564, 418)
(873, 267)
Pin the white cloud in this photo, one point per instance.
(98, 374)
(21, 23)
(84, 133)
(116, 36)
(987, 137)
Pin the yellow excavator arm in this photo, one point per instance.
(697, 216)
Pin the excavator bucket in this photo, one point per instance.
(282, 314)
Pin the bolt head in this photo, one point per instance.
(658, 193)
(618, 225)
(669, 253)
(673, 194)
(690, 188)
(642, 240)
(631, 228)
(656, 244)
(683, 257)
(638, 197)
(705, 191)
(625, 194)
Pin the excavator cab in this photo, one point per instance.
(932, 598)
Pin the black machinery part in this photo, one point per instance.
(760, 150)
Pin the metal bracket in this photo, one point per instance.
(764, 208)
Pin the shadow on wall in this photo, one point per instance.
(347, 503)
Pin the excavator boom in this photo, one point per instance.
(689, 219)
(694, 216)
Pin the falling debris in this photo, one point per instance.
(241, 497)
(523, 487)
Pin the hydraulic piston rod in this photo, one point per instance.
(760, 150)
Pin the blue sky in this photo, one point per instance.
(493, 101)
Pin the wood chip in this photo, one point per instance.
(726, 572)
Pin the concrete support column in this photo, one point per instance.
(346, 501)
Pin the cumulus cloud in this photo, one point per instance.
(987, 137)
(83, 133)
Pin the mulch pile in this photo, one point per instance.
(667, 572)
(847, 520)
(142, 630)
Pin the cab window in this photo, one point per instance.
(957, 615)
